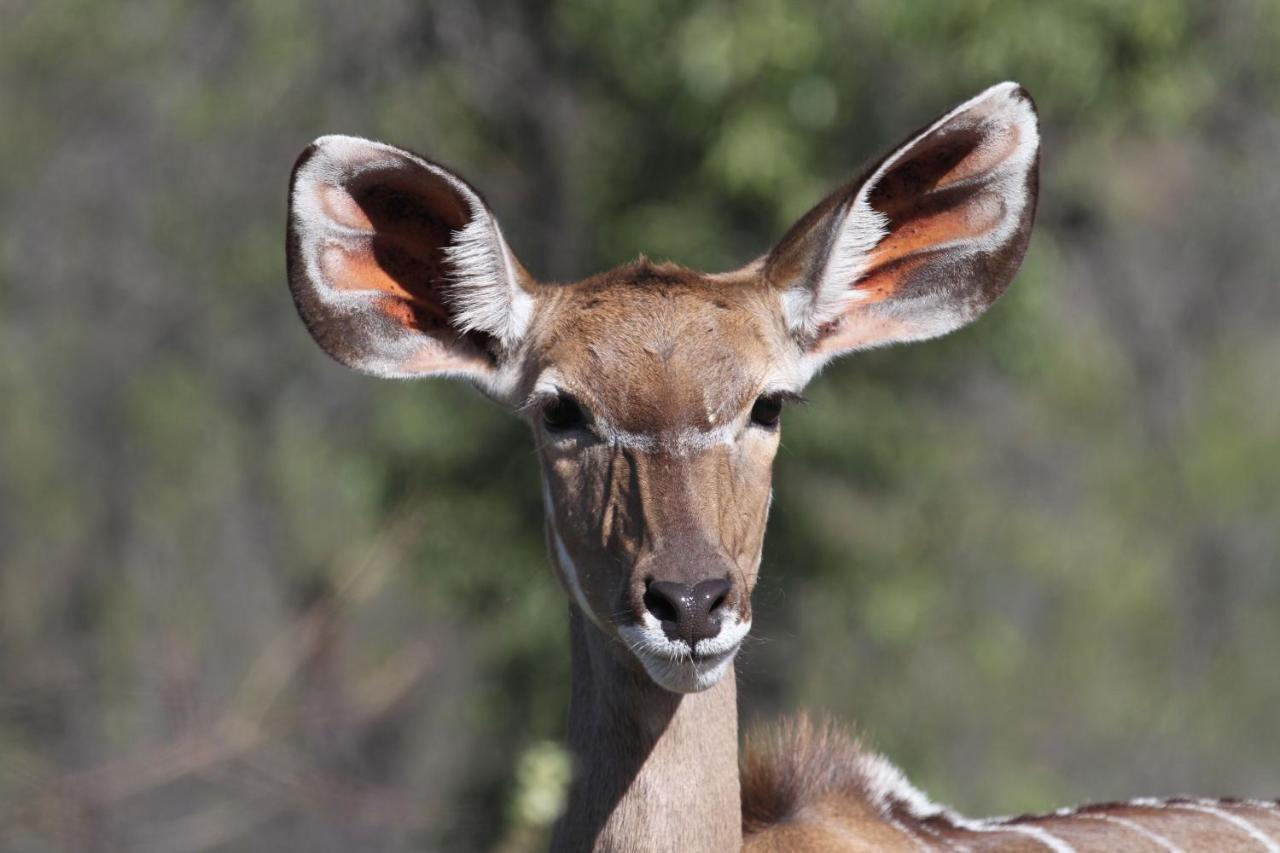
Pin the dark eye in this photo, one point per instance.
(563, 414)
(766, 411)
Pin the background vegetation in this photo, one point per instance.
(252, 602)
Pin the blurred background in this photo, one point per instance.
(252, 602)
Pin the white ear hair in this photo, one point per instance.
(808, 306)
(398, 268)
(483, 287)
(1004, 114)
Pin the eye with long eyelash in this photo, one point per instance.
(767, 410)
(563, 413)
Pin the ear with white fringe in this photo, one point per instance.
(399, 269)
(924, 242)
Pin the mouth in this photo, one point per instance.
(676, 667)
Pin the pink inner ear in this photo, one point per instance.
(921, 170)
(339, 206)
(995, 148)
(923, 244)
(403, 222)
(935, 199)
(973, 217)
(392, 268)
(887, 278)
(353, 268)
(370, 263)
(442, 350)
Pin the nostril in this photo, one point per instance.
(688, 612)
(713, 594)
(662, 607)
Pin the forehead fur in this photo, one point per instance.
(654, 347)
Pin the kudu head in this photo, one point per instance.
(654, 391)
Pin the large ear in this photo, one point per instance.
(925, 241)
(398, 268)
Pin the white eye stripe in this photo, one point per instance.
(681, 443)
(551, 384)
(546, 386)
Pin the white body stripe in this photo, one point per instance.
(908, 832)
(1044, 836)
(1209, 807)
(941, 839)
(1136, 828)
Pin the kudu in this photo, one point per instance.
(654, 394)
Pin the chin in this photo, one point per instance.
(673, 665)
(686, 675)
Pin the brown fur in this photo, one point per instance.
(656, 771)
(397, 268)
(631, 515)
(810, 786)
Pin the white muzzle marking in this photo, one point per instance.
(672, 664)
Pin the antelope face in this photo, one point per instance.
(654, 391)
(655, 402)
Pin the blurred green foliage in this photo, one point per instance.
(251, 602)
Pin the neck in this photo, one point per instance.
(653, 770)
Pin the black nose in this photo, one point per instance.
(689, 612)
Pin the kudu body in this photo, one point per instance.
(654, 395)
